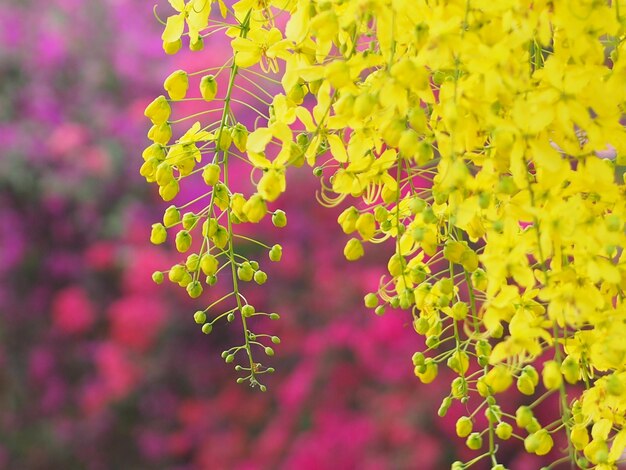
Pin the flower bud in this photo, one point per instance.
(459, 311)
(347, 219)
(194, 289)
(260, 277)
(551, 375)
(240, 136)
(245, 272)
(255, 208)
(269, 351)
(525, 384)
(221, 237)
(176, 84)
(458, 362)
(523, 416)
(158, 234)
(197, 45)
(353, 250)
(164, 174)
(211, 174)
(199, 317)
(221, 196)
(207, 328)
(429, 373)
(504, 430)
(208, 87)
(158, 111)
(579, 436)
(444, 407)
(366, 225)
(458, 387)
(171, 216)
(464, 426)
(171, 48)
(279, 219)
(539, 442)
(224, 139)
(570, 370)
(160, 133)
(193, 262)
(276, 252)
(157, 277)
(371, 300)
(156, 151)
(183, 241)
(176, 273)
(247, 311)
(169, 191)
(417, 119)
(474, 441)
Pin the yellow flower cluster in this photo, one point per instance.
(485, 140)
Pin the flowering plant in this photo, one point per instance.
(481, 139)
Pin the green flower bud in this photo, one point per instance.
(171, 216)
(193, 262)
(211, 174)
(371, 300)
(504, 430)
(230, 317)
(417, 358)
(269, 351)
(221, 196)
(245, 272)
(176, 273)
(523, 416)
(194, 289)
(464, 426)
(208, 264)
(279, 219)
(208, 87)
(183, 241)
(157, 277)
(171, 48)
(197, 45)
(275, 339)
(443, 408)
(474, 441)
(240, 136)
(158, 235)
(247, 310)
(207, 328)
(211, 280)
(199, 317)
(380, 310)
(274, 316)
(221, 237)
(276, 252)
(260, 277)
(189, 220)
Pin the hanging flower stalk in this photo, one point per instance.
(482, 141)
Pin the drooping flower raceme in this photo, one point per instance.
(482, 140)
